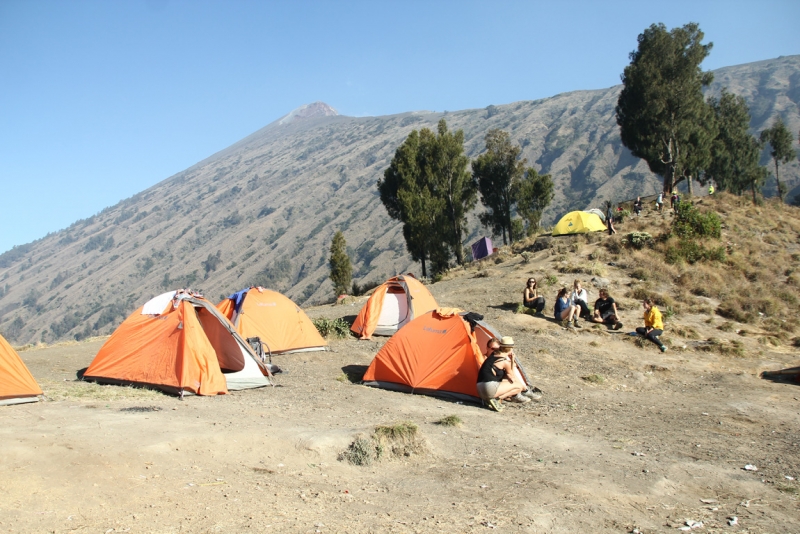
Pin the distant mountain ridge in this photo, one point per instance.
(263, 211)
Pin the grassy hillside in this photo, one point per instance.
(264, 210)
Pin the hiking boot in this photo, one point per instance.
(519, 398)
(534, 394)
(566, 324)
(617, 325)
(576, 324)
(494, 404)
(663, 348)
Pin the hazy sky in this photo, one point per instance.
(102, 99)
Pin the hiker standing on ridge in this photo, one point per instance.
(637, 206)
(531, 298)
(497, 378)
(653, 324)
(610, 220)
(660, 201)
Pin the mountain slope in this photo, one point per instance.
(264, 210)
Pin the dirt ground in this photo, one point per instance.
(649, 442)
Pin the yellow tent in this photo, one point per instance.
(579, 222)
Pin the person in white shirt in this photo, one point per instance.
(580, 298)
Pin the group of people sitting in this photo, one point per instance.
(501, 378)
(571, 306)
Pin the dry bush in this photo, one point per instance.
(686, 332)
(386, 441)
(748, 308)
(704, 281)
(734, 348)
(644, 291)
(614, 244)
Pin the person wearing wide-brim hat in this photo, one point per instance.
(497, 378)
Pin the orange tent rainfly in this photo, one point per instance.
(16, 382)
(180, 343)
(273, 318)
(436, 354)
(393, 304)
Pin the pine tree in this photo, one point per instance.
(534, 193)
(497, 173)
(660, 109)
(341, 269)
(780, 140)
(735, 152)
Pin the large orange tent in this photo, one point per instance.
(436, 354)
(180, 343)
(16, 382)
(273, 318)
(392, 305)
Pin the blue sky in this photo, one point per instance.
(102, 99)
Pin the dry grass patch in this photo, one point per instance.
(450, 420)
(385, 442)
(686, 332)
(79, 390)
(733, 348)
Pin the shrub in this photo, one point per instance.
(336, 328)
(639, 240)
(689, 222)
(450, 420)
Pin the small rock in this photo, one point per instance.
(750, 467)
(787, 477)
(733, 520)
(600, 283)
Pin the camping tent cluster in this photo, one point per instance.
(181, 343)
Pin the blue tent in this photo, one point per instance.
(482, 248)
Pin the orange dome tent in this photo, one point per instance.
(180, 343)
(16, 382)
(277, 321)
(393, 304)
(437, 354)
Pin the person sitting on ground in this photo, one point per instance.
(653, 324)
(580, 298)
(565, 311)
(605, 311)
(531, 298)
(637, 206)
(497, 377)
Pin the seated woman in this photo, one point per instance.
(565, 311)
(497, 378)
(605, 310)
(531, 298)
(653, 324)
(580, 298)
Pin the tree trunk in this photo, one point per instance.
(689, 185)
(778, 180)
(753, 186)
(424, 271)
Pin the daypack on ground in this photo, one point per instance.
(273, 318)
(180, 343)
(393, 304)
(17, 385)
(436, 354)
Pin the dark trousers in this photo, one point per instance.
(537, 304)
(585, 311)
(652, 336)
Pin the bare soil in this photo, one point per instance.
(650, 441)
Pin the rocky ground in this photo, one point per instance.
(626, 439)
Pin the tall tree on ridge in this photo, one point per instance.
(497, 173)
(780, 141)
(341, 268)
(661, 104)
(453, 183)
(534, 193)
(735, 152)
(428, 189)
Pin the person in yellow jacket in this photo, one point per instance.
(653, 324)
